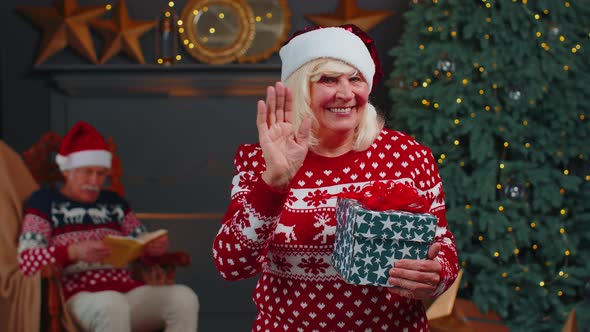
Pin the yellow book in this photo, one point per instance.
(125, 249)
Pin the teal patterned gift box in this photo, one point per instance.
(368, 242)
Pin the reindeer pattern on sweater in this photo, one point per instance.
(287, 238)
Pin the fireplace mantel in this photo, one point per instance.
(154, 80)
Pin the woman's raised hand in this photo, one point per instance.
(283, 149)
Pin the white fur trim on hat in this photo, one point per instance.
(333, 42)
(84, 158)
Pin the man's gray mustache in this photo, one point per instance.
(90, 187)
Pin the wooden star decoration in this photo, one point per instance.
(122, 34)
(348, 12)
(64, 25)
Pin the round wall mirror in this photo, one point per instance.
(216, 31)
(271, 28)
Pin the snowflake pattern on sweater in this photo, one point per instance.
(288, 238)
(52, 222)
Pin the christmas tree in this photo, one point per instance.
(500, 90)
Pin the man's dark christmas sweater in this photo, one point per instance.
(52, 221)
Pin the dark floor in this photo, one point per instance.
(226, 322)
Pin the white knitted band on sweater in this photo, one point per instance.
(334, 42)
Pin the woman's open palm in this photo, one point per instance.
(283, 149)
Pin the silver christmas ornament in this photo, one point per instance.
(515, 189)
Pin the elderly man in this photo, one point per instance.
(65, 227)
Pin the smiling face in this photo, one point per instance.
(338, 101)
(83, 184)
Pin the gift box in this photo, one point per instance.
(571, 325)
(368, 242)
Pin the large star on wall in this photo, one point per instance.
(122, 34)
(348, 12)
(64, 25)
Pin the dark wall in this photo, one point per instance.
(176, 151)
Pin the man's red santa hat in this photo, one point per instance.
(83, 146)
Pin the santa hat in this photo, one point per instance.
(347, 43)
(83, 146)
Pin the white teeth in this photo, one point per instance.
(340, 110)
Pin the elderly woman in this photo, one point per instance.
(319, 136)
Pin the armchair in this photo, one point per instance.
(40, 160)
(19, 295)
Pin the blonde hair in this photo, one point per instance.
(300, 81)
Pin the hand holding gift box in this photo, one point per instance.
(383, 224)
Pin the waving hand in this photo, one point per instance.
(283, 149)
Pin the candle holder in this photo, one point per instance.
(167, 37)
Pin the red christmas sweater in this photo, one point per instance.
(288, 238)
(52, 222)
